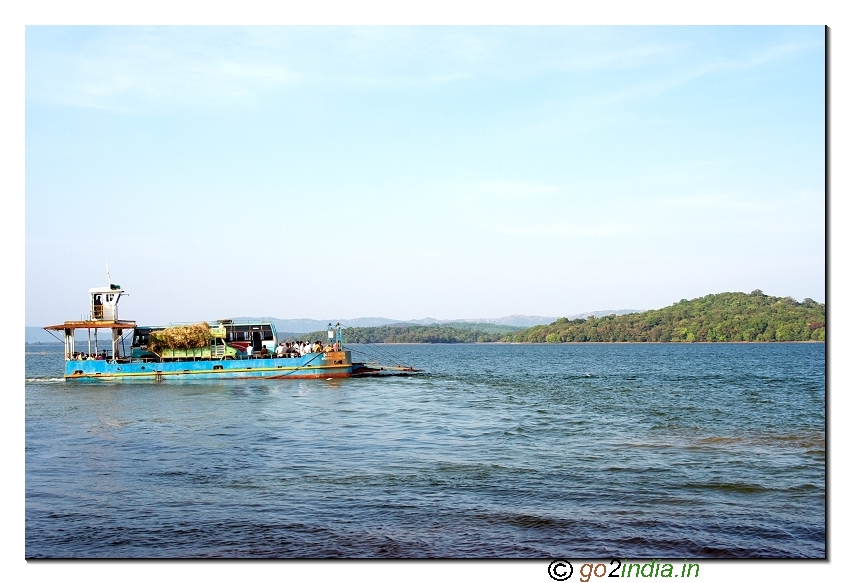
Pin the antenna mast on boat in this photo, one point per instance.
(335, 332)
(108, 276)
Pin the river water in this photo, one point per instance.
(530, 451)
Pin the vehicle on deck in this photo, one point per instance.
(236, 338)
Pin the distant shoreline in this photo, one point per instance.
(593, 342)
(544, 343)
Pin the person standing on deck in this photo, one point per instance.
(249, 351)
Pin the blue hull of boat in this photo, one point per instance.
(309, 366)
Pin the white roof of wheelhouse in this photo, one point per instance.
(106, 290)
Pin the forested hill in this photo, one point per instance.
(725, 317)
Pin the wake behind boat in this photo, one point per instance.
(223, 349)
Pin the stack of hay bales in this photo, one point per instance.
(180, 337)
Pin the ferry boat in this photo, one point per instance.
(228, 355)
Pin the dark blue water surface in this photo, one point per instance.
(608, 450)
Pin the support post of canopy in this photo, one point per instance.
(116, 334)
(69, 343)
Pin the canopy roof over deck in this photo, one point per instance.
(77, 324)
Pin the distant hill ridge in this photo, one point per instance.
(303, 325)
(291, 327)
(724, 317)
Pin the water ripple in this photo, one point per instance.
(680, 451)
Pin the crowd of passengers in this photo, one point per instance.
(293, 349)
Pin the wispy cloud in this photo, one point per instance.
(133, 68)
(684, 74)
(127, 68)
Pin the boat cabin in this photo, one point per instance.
(103, 302)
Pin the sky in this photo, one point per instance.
(411, 171)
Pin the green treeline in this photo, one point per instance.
(430, 334)
(726, 317)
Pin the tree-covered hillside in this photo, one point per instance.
(725, 317)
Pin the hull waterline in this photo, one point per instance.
(309, 366)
